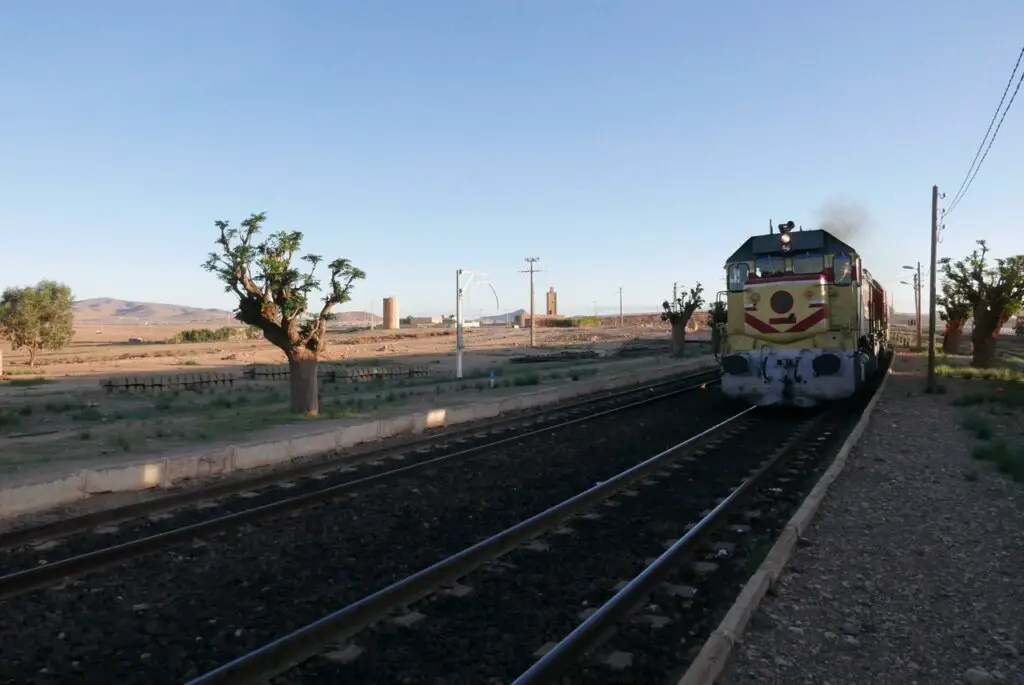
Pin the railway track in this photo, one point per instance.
(33, 557)
(170, 615)
(600, 588)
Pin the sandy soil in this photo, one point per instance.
(106, 351)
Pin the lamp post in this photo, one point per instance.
(917, 298)
(460, 287)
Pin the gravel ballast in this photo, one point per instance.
(508, 609)
(166, 617)
(490, 630)
(911, 570)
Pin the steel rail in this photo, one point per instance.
(292, 649)
(20, 537)
(597, 627)
(41, 576)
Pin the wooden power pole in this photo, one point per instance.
(531, 261)
(931, 295)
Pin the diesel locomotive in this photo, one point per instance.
(806, 323)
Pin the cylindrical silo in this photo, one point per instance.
(390, 313)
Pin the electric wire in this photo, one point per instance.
(976, 164)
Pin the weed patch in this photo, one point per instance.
(22, 382)
(996, 373)
(87, 414)
(577, 374)
(1009, 459)
(1005, 394)
(978, 426)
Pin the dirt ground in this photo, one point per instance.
(61, 416)
(106, 350)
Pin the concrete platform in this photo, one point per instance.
(38, 493)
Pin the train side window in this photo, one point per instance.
(738, 276)
(842, 269)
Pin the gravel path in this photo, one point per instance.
(911, 571)
(164, 617)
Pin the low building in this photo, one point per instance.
(421, 321)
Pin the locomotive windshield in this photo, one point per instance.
(802, 265)
(769, 266)
(806, 264)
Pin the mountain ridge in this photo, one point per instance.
(111, 310)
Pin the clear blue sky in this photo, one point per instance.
(631, 143)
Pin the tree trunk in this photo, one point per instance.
(305, 396)
(984, 352)
(678, 339)
(986, 328)
(31, 357)
(951, 341)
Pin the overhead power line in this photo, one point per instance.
(975, 167)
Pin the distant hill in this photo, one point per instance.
(357, 318)
(113, 311)
(501, 318)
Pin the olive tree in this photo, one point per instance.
(678, 312)
(273, 295)
(956, 310)
(39, 317)
(993, 292)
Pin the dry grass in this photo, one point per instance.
(999, 373)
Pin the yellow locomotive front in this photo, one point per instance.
(803, 324)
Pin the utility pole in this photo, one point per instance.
(620, 307)
(531, 261)
(931, 296)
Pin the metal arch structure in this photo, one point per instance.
(464, 278)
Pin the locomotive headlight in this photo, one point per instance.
(787, 242)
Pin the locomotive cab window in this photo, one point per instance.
(769, 266)
(738, 276)
(843, 269)
(807, 264)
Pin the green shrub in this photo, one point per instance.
(198, 335)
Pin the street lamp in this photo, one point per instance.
(917, 297)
